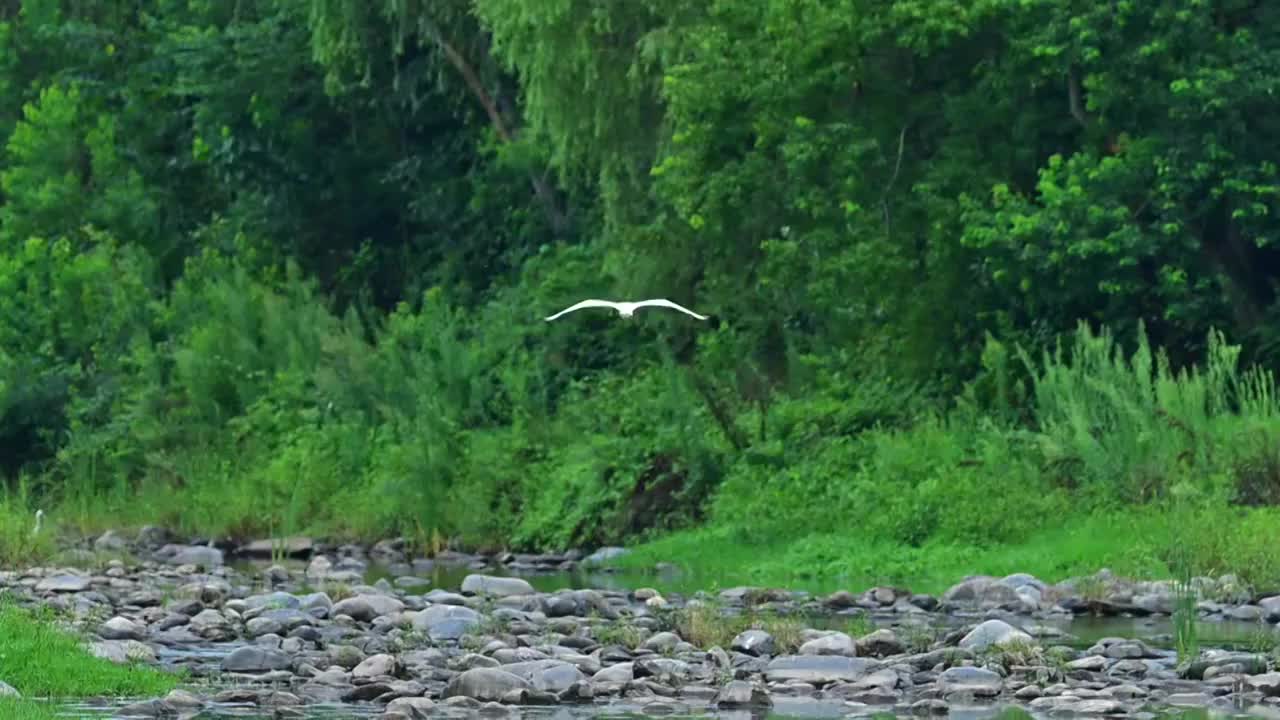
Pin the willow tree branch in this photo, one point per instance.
(897, 167)
(719, 412)
(1075, 101)
(541, 188)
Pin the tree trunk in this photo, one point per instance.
(542, 189)
(1247, 280)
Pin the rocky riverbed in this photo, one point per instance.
(316, 637)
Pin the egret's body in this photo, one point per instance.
(626, 309)
(39, 522)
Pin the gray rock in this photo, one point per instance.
(511, 656)
(110, 541)
(1029, 597)
(123, 652)
(201, 555)
(623, 672)
(1249, 663)
(605, 555)
(1092, 663)
(344, 656)
(1099, 706)
(317, 604)
(969, 590)
(1268, 683)
(1129, 650)
(836, 643)
(156, 708)
(366, 608)
(1156, 602)
(1126, 692)
(287, 618)
(212, 625)
(740, 693)
(663, 642)
(63, 583)
(120, 628)
(930, 706)
(883, 681)
(998, 595)
(183, 699)
(993, 633)
(840, 600)
(291, 546)
(496, 586)
(277, 600)
(662, 668)
(562, 604)
(319, 568)
(484, 684)
(259, 626)
(1028, 693)
(150, 536)
(446, 622)
(1271, 606)
(1017, 581)
(1248, 613)
(754, 642)
(378, 665)
(251, 659)
(979, 682)
(409, 708)
(1064, 704)
(880, 643)
(547, 675)
(1188, 699)
(817, 669)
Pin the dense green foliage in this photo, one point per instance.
(280, 265)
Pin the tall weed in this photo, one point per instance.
(1129, 428)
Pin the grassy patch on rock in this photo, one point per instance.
(707, 625)
(42, 660)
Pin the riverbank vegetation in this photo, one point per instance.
(992, 285)
(41, 660)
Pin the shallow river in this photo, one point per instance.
(1083, 631)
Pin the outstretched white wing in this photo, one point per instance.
(584, 304)
(668, 304)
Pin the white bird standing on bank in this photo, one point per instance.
(626, 309)
(39, 522)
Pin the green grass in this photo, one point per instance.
(18, 541)
(23, 709)
(1058, 467)
(1132, 542)
(1185, 614)
(41, 660)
